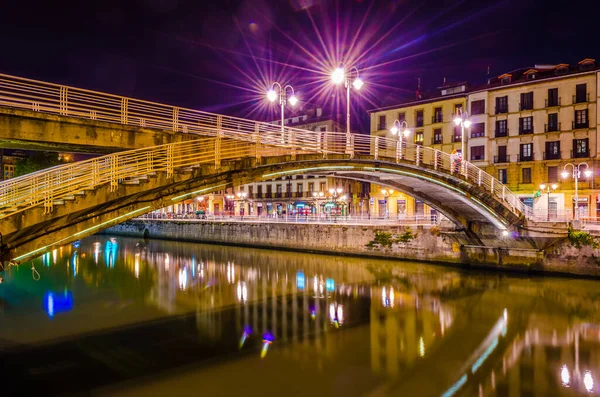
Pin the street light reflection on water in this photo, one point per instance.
(388, 318)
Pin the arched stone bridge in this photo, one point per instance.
(50, 208)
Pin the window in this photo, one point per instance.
(401, 117)
(437, 115)
(477, 153)
(505, 80)
(552, 174)
(477, 130)
(419, 137)
(323, 129)
(553, 99)
(457, 136)
(311, 187)
(278, 189)
(322, 187)
(269, 190)
(552, 122)
(581, 118)
(503, 176)
(458, 108)
(382, 123)
(501, 158)
(437, 136)
(501, 129)
(259, 190)
(580, 148)
(419, 118)
(9, 171)
(478, 107)
(250, 190)
(502, 104)
(527, 101)
(299, 188)
(525, 175)
(580, 93)
(526, 125)
(526, 152)
(552, 150)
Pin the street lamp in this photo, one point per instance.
(400, 128)
(343, 74)
(546, 189)
(242, 197)
(462, 119)
(576, 176)
(337, 196)
(386, 194)
(231, 197)
(273, 94)
(318, 196)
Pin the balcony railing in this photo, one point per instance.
(381, 127)
(525, 131)
(437, 118)
(552, 156)
(435, 141)
(578, 154)
(525, 106)
(501, 109)
(581, 98)
(502, 159)
(521, 157)
(419, 123)
(551, 127)
(551, 102)
(456, 138)
(501, 134)
(575, 125)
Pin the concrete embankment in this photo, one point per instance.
(399, 242)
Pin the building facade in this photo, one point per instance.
(526, 126)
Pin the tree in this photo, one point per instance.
(35, 162)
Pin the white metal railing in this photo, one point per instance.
(417, 220)
(219, 138)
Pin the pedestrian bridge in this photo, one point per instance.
(53, 207)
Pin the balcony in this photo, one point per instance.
(580, 154)
(581, 98)
(436, 141)
(525, 106)
(381, 127)
(520, 158)
(501, 134)
(551, 127)
(525, 131)
(456, 139)
(575, 125)
(552, 102)
(419, 123)
(437, 118)
(552, 156)
(501, 109)
(502, 159)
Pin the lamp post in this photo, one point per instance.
(386, 194)
(343, 74)
(336, 195)
(400, 128)
(576, 176)
(318, 196)
(272, 95)
(242, 197)
(231, 197)
(462, 119)
(544, 188)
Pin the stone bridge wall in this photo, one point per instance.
(427, 244)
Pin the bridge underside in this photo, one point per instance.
(31, 232)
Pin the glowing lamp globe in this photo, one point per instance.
(406, 132)
(394, 130)
(337, 76)
(271, 95)
(564, 174)
(587, 173)
(293, 100)
(457, 120)
(467, 123)
(358, 83)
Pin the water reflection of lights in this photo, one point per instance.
(183, 278)
(387, 300)
(245, 335)
(268, 338)
(565, 376)
(336, 314)
(57, 303)
(75, 263)
(318, 287)
(588, 381)
(421, 347)
(137, 265)
(167, 262)
(300, 280)
(110, 252)
(230, 272)
(97, 245)
(242, 292)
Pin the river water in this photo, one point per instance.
(127, 317)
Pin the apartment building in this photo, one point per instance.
(526, 126)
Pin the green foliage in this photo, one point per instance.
(435, 231)
(386, 239)
(580, 239)
(35, 162)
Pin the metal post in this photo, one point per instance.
(492, 187)
(479, 177)
(218, 141)
(462, 149)
(576, 174)
(257, 142)
(282, 103)
(418, 155)
(376, 147)
(175, 119)
(124, 110)
(398, 151)
(503, 192)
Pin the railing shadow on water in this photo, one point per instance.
(225, 138)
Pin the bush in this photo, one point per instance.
(386, 239)
(580, 239)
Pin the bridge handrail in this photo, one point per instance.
(220, 138)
